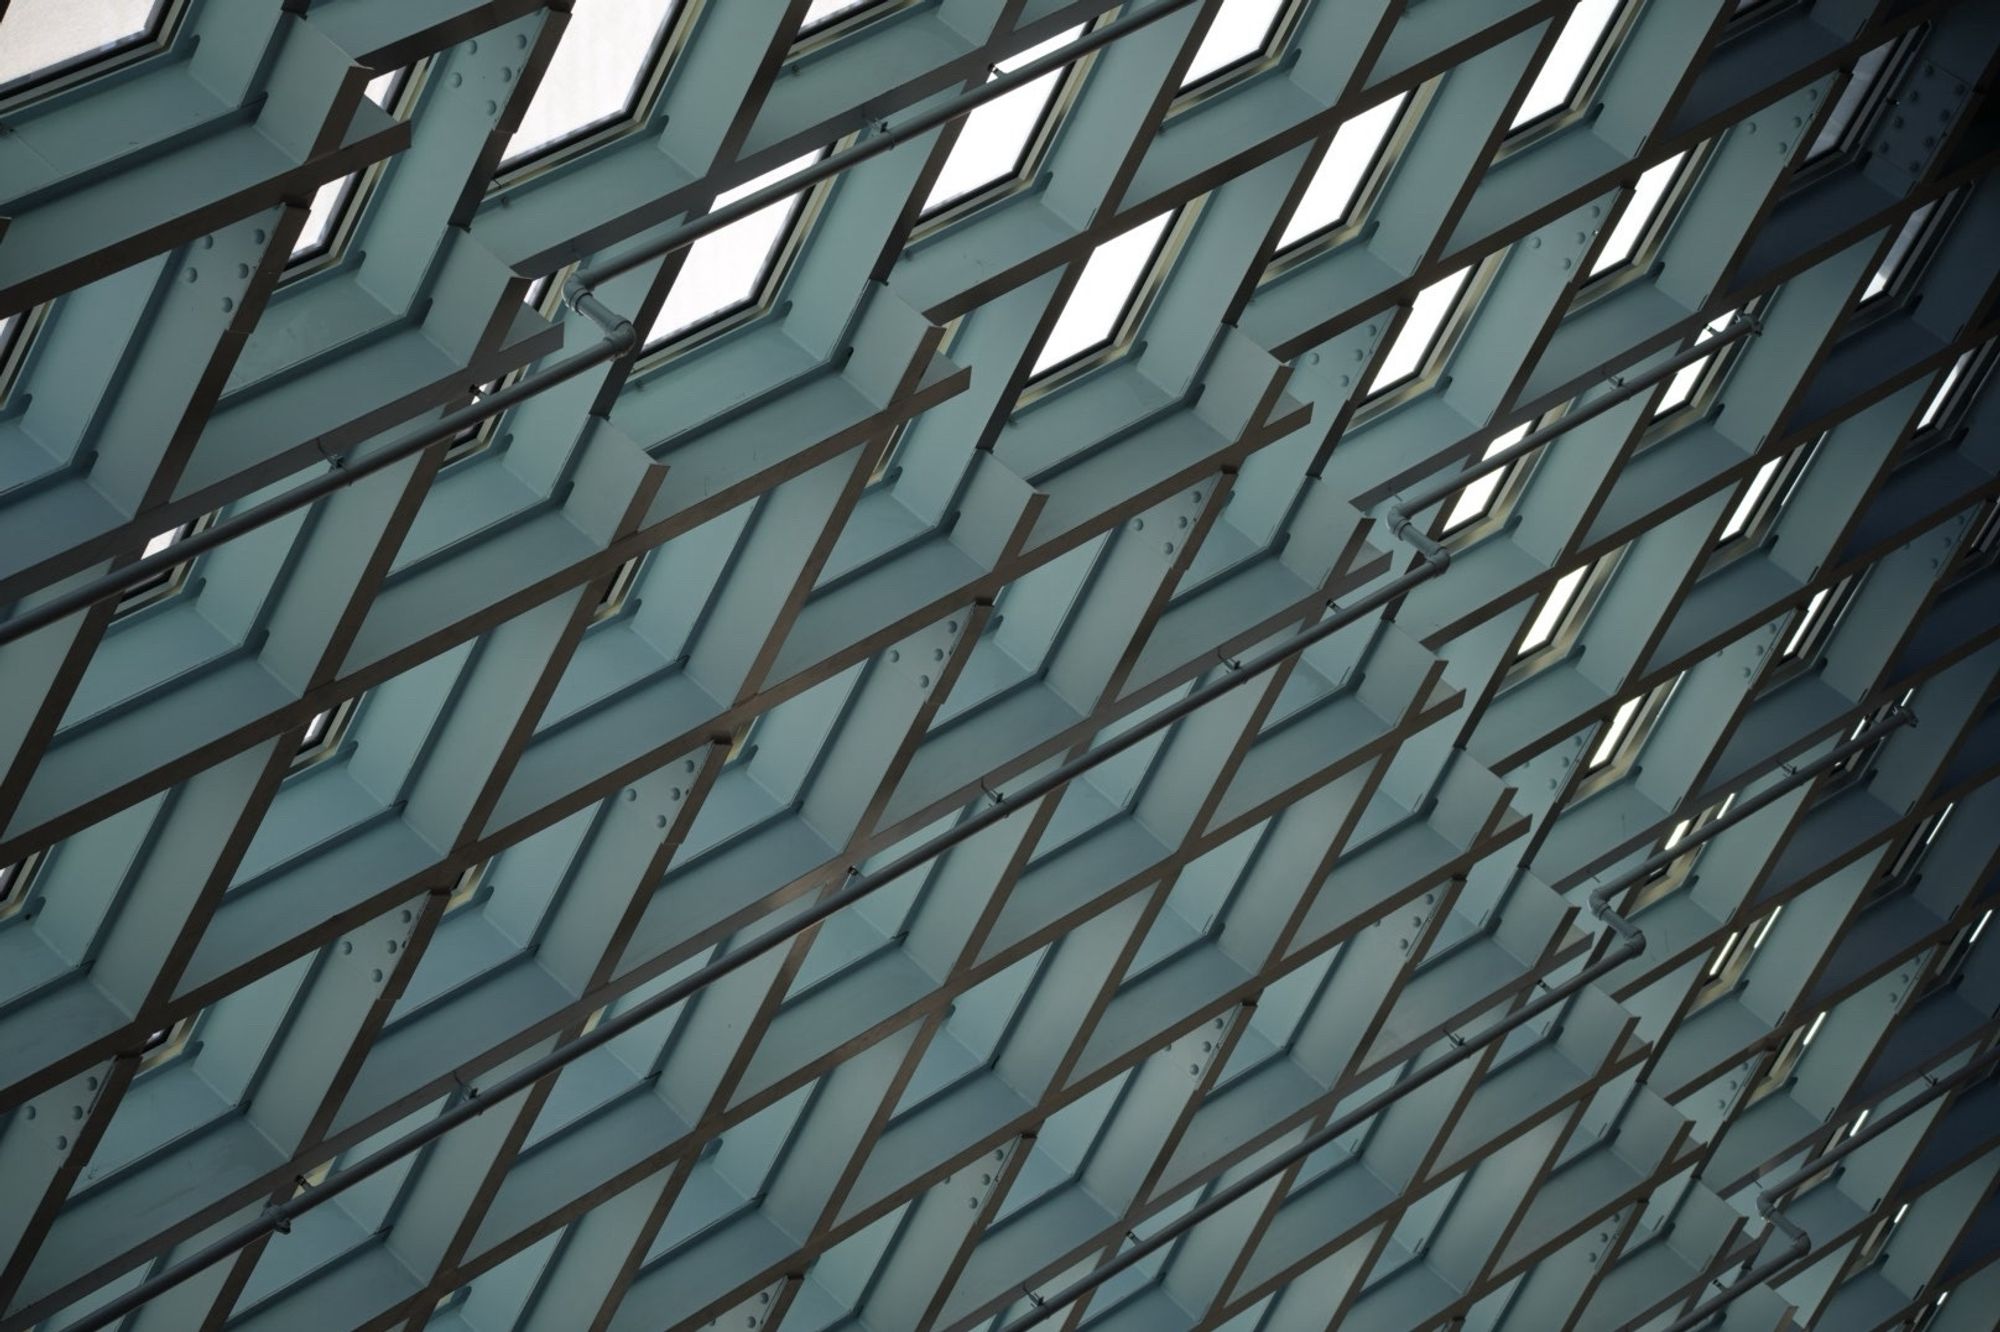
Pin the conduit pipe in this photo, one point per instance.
(1432, 560)
(1772, 1197)
(1630, 944)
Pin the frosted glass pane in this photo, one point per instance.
(597, 68)
(725, 270)
(994, 137)
(1096, 304)
(36, 35)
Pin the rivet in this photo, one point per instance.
(377, 975)
(1345, 380)
(951, 626)
(660, 821)
(62, 1143)
(228, 304)
(392, 947)
(1569, 263)
(506, 74)
(1181, 522)
(258, 235)
(1168, 547)
(631, 793)
(674, 794)
(1534, 242)
(457, 80)
(894, 655)
(1784, 148)
(937, 654)
(91, 1082)
(492, 107)
(190, 275)
(521, 40)
(472, 46)
(1138, 524)
(76, 1112)
(346, 947)
(243, 270)
(408, 915)
(29, 1112)
(1195, 1069)
(923, 682)
(688, 766)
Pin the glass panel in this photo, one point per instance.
(1561, 74)
(1899, 252)
(40, 36)
(1614, 734)
(726, 270)
(822, 12)
(1356, 146)
(1476, 496)
(1852, 98)
(1803, 629)
(1629, 232)
(1942, 397)
(330, 199)
(1556, 605)
(1412, 347)
(1242, 31)
(1681, 389)
(599, 65)
(994, 142)
(1103, 295)
(1746, 503)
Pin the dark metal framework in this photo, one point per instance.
(813, 826)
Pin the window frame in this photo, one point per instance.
(169, 583)
(1357, 222)
(1789, 469)
(805, 205)
(1131, 320)
(162, 28)
(17, 887)
(1806, 628)
(1268, 55)
(1652, 705)
(1525, 664)
(1713, 376)
(1851, 140)
(1643, 261)
(357, 188)
(1581, 103)
(314, 752)
(1028, 163)
(17, 344)
(1374, 401)
(668, 43)
(815, 35)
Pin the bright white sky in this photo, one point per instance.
(35, 34)
(601, 58)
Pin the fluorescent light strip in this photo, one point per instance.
(1813, 1030)
(1722, 954)
(1769, 921)
(1637, 215)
